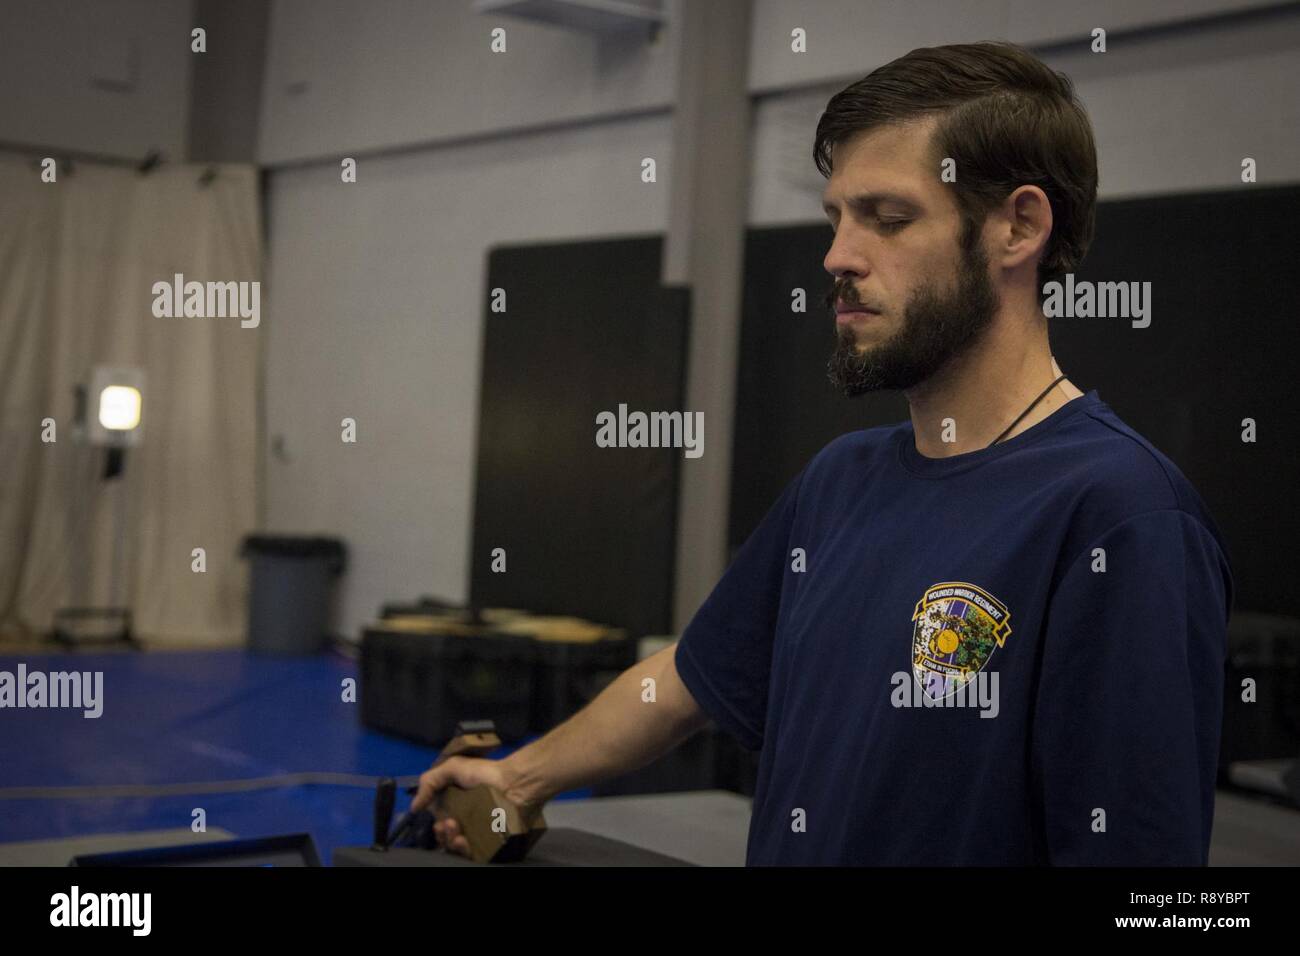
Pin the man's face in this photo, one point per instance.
(897, 255)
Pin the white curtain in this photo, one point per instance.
(78, 260)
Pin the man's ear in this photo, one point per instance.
(1027, 215)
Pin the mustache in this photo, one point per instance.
(835, 293)
(843, 291)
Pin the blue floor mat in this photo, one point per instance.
(198, 717)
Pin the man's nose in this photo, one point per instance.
(843, 260)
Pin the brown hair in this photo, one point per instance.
(1007, 120)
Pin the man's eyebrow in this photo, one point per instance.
(867, 201)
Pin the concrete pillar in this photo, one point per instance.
(704, 250)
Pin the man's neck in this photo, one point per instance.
(971, 401)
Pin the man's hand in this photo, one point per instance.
(616, 733)
(464, 772)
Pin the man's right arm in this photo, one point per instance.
(630, 723)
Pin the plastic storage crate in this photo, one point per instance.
(567, 676)
(420, 685)
(433, 669)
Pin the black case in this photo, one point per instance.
(420, 686)
(568, 675)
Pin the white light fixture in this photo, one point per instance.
(119, 408)
(116, 398)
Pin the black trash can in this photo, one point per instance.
(291, 580)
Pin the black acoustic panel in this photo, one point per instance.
(786, 407)
(588, 531)
(1225, 296)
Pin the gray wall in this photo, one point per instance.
(852, 37)
(375, 305)
(226, 87)
(1173, 110)
(109, 78)
(376, 289)
(363, 77)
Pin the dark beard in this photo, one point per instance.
(936, 328)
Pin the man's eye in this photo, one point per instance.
(887, 225)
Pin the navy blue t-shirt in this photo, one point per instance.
(1010, 656)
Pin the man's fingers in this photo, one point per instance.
(456, 771)
(449, 837)
(431, 781)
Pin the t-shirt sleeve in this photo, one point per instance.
(724, 656)
(1127, 717)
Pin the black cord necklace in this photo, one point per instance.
(1025, 412)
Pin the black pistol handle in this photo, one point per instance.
(385, 797)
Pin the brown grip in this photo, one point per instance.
(495, 828)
